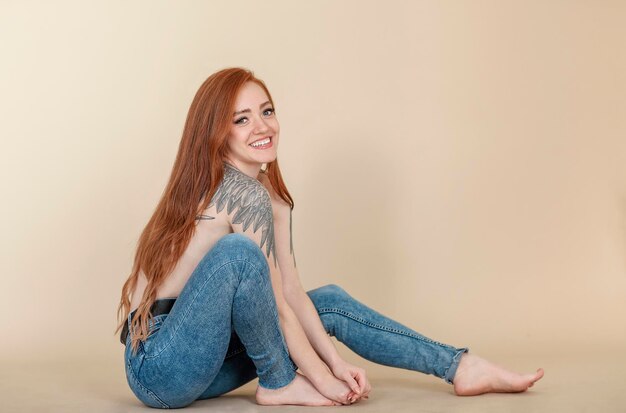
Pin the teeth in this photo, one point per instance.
(261, 142)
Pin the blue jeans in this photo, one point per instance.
(223, 331)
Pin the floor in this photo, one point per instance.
(575, 383)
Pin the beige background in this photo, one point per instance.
(459, 166)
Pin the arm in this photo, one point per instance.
(300, 302)
(295, 295)
(255, 220)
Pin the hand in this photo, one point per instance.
(354, 377)
(333, 388)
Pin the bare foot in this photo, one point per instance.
(476, 375)
(300, 392)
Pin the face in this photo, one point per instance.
(253, 122)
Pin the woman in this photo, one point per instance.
(215, 293)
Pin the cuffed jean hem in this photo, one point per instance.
(449, 374)
(277, 383)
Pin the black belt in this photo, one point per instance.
(160, 306)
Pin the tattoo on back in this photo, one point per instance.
(252, 205)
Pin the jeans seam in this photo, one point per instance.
(369, 324)
(192, 301)
(235, 352)
(150, 392)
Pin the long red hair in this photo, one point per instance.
(196, 174)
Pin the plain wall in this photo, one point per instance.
(459, 166)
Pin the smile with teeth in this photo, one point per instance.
(262, 143)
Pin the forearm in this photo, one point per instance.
(299, 346)
(292, 293)
(310, 321)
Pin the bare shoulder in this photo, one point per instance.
(235, 190)
(248, 207)
(279, 205)
(243, 196)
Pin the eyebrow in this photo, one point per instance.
(248, 110)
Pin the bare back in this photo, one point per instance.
(211, 225)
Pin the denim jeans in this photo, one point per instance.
(223, 331)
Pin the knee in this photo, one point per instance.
(328, 300)
(233, 239)
(238, 245)
(333, 289)
(327, 295)
(234, 249)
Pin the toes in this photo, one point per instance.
(531, 378)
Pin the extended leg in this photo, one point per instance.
(385, 341)
(380, 339)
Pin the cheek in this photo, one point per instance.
(236, 139)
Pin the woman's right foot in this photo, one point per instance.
(300, 392)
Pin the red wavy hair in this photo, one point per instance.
(197, 171)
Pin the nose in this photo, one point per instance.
(260, 125)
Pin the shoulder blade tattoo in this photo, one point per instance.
(248, 198)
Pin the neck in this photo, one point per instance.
(252, 170)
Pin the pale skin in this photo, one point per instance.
(327, 379)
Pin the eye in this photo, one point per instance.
(240, 120)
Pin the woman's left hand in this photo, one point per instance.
(353, 376)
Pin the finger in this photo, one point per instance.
(360, 377)
(353, 384)
(365, 385)
(367, 390)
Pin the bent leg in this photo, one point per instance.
(380, 339)
(229, 288)
(237, 370)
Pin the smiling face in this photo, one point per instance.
(253, 137)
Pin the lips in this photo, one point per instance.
(265, 137)
(263, 143)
